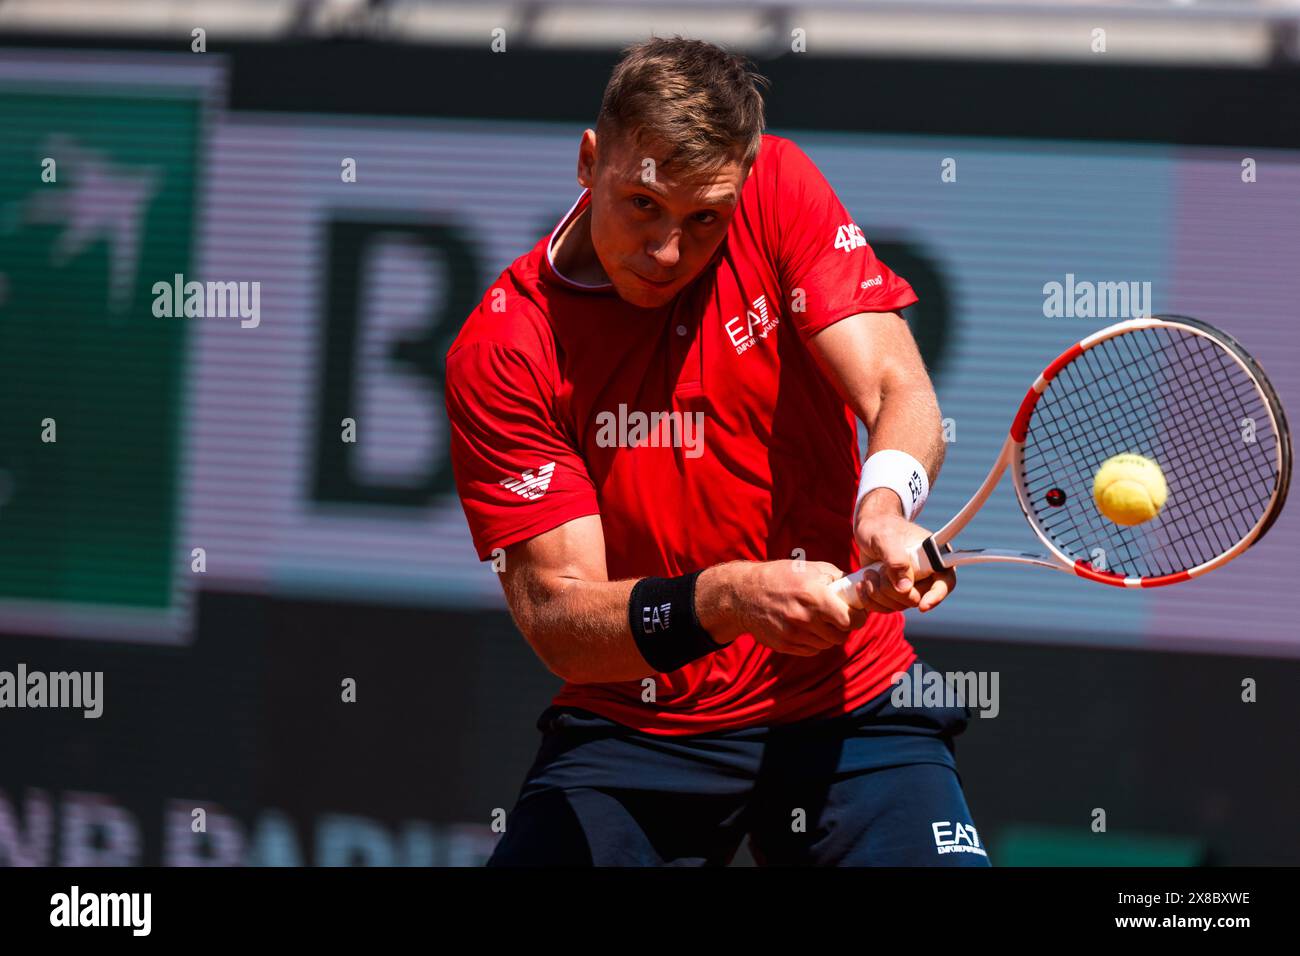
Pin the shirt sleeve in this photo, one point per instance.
(823, 257)
(517, 474)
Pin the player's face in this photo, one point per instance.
(654, 230)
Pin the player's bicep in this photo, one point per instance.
(538, 572)
(537, 568)
(866, 355)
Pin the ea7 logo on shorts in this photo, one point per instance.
(531, 486)
(655, 618)
(956, 837)
(756, 324)
(849, 237)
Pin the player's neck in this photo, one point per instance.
(575, 257)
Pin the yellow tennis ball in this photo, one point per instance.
(1129, 489)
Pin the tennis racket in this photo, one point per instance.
(1168, 387)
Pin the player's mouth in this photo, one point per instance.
(655, 284)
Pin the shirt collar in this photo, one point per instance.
(551, 271)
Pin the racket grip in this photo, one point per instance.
(846, 588)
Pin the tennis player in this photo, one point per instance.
(653, 434)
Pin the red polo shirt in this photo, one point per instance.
(701, 432)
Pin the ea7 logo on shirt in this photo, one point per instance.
(956, 837)
(655, 618)
(531, 486)
(756, 324)
(849, 237)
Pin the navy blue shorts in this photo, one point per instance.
(876, 787)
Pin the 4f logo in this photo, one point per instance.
(849, 237)
(655, 618)
(757, 323)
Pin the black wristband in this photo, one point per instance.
(667, 631)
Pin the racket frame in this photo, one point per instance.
(936, 553)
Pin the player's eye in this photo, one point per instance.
(642, 203)
(706, 218)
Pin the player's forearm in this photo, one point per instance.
(908, 420)
(581, 630)
(876, 367)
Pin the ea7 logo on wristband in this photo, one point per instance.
(655, 618)
(956, 837)
(915, 486)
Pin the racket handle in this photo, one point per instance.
(846, 588)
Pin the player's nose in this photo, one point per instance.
(667, 251)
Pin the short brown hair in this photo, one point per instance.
(701, 102)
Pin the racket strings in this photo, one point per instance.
(1178, 398)
(1140, 369)
(1106, 419)
(1179, 458)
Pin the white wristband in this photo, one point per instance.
(899, 472)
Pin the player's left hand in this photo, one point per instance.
(884, 535)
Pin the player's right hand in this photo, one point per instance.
(788, 606)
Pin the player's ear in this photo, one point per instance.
(587, 158)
